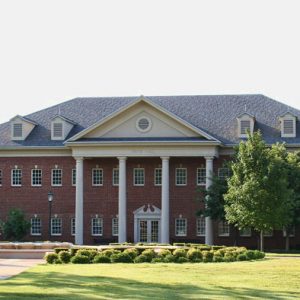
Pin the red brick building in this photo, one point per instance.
(128, 169)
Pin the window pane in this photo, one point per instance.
(57, 129)
(73, 226)
(56, 226)
(16, 177)
(201, 226)
(288, 126)
(245, 231)
(245, 126)
(157, 176)
(36, 177)
(97, 226)
(18, 130)
(181, 176)
(116, 177)
(223, 173)
(36, 226)
(180, 227)
(139, 176)
(201, 176)
(223, 228)
(56, 177)
(97, 177)
(74, 177)
(115, 226)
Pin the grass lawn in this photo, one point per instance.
(272, 278)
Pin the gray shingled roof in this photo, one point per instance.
(216, 115)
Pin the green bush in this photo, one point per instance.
(149, 253)
(64, 256)
(58, 262)
(182, 260)
(51, 258)
(169, 258)
(179, 253)
(250, 254)
(179, 244)
(164, 253)
(110, 252)
(207, 256)
(73, 251)
(121, 258)
(220, 252)
(101, 259)
(204, 248)
(57, 250)
(218, 258)
(157, 260)
(259, 254)
(194, 254)
(229, 257)
(91, 253)
(241, 257)
(217, 247)
(80, 259)
(142, 258)
(132, 252)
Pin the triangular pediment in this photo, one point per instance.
(142, 119)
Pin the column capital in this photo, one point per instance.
(209, 157)
(122, 157)
(78, 157)
(165, 157)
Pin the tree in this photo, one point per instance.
(16, 226)
(259, 195)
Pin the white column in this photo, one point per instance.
(165, 211)
(79, 202)
(209, 239)
(122, 200)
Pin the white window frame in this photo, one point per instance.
(245, 117)
(199, 176)
(52, 177)
(200, 227)
(244, 233)
(177, 176)
(31, 226)
(73, 176)
(52, 225)
(100, 226)
(115, 226)
(221, 231)
(100, 177)
(135, 177)
(157, 176)
(292, 119)
(292, 234)
(57, 138)
(73, 226)
(32, 177)
(114, 182)
(178, 227)
(12, 177)
(18, 137)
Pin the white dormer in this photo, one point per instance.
(288, 125)
(60, 128)
(245, 124)
(21, 128)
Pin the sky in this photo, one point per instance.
(53, 51)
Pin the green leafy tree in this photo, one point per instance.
(259, 194)
(16, 226)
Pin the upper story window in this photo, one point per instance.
(143, 124)
(57, 130)
(201, 176)
(16, 177)
(245, 124)
(17, 130)
(157, 176)
(138, 176)
(36, 177)
(56, 177)
(36, 226)
(60, 127)
(288, 125)
(97, 177)
(181, 176)
(21, 128)
(115, 177)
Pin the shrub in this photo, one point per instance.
(142, 258)
(149, 253)
(194, 254)
(182, 260)
(229, 257)
(250, 254)
(179, 253)
(73, 251)
(121, 258)
(110, 252)
(132, 252)
(58, 262)
(179, 244)
(101, 259)
(218, 258)
(258, 254)
(204, 248)
(80, 259)
(217, 247)
(163, 253)
(51, 258)
(169, 258)
(64, 257)
(241, 257)
(220, 252)
(207, 256)
(157, 260)
(57, 250)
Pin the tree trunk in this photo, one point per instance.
(261, 240)
(287, 242)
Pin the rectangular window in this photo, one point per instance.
(115, 177)
(201, 176)
(181, 176)
(97, 226)
(0, 177)
(180, 227)
(18, 130)
(16, 177)
(139, 176)
(157, 176)
(36, 177)
(56, 226)
(36, 226)
(292, 232)
(97, 177)
(245, 231)
(74, 177)
(57, 130)
(268, 233)
(245, 126)
(201, 226)
(115, 226)
(288, 126)
(73, 226)
(223, 228)
(56, 177)
(223, 173)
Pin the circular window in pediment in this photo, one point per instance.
(143, 124)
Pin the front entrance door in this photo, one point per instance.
(148, 231)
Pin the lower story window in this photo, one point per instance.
(245, 231)
(56, 226)
(180, 227)
(223, 228)
(268, 233)
(115, 227)
(73, 226)
(97, 226)
(291, 232)
(201, 226)
(36, 226)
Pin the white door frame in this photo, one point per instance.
(146, 212)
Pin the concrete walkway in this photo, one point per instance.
(12, 267)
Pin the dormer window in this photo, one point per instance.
(288, 125)
(17, 130)
(21, 127)
(57, 130)
(60, 127)
(245, 124)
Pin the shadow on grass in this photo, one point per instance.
(55, 285)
